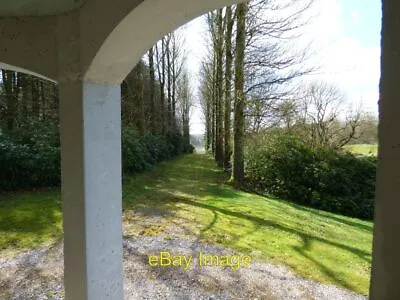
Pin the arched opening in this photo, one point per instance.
(134, 35)
(90, 113)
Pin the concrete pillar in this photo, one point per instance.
(90, 119)
(385, 281)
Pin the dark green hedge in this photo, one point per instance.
(31, 158)
(25, 166)
(140, 153)
(325, 179)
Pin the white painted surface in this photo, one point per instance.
(112, 37)
(140, 30)
(91, 190)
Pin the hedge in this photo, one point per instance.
(323, 178)
(32, 160)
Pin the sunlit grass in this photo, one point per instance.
(29, 219)
(315, 244)
(190, 192)
(363, 149)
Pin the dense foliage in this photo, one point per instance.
(155, 110)
(283, 166)
(31, 158)
(140, 152)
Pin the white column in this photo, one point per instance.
(385, 281)
(90, 119)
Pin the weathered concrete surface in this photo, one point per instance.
(385, 282)
(91, 190)
(111, 36)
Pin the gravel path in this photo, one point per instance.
(38, 274)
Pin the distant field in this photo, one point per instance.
(363, 149)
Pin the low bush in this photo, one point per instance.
(31, 159)
(323, 178)
(140, 153)
(30, 165)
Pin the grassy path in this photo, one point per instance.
(190, 193)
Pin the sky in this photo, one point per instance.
(345, 37)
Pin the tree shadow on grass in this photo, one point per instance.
(330, 273)
(328, 215)
(200, 190)
(306, 238)
(196, 181)
(362, 254)
(321, 213)
(211, 224)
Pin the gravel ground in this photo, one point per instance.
(38, 274)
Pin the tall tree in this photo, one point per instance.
(213, 103)
(219, 108)
(185, 104)
(160, 54)
(138, 108)
(239, 106)
(177, 62)
(25, 95)
(272, 62)
(228, 85)
(169, 79)
(206, 96)
(153, 125)
(8, 78)
(216, 31)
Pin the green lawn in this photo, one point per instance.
(190, 192)
(29, 219)
(363, 149)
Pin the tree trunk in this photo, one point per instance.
(228, 82)
(208, 127)
(213, 107)
(153, 126)
(239, 120)
(43, 100)
(169, 82)
(174, 80)
(35, 97)
(219, 141)
(24, 97)
(161, 76)
(137, 109)
(11, 101)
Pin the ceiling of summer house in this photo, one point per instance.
(22, 8)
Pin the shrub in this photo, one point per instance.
(134, 156)
(30, 158)
(142, 152)
(28, 166)
(323, 178)
(188, 148)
